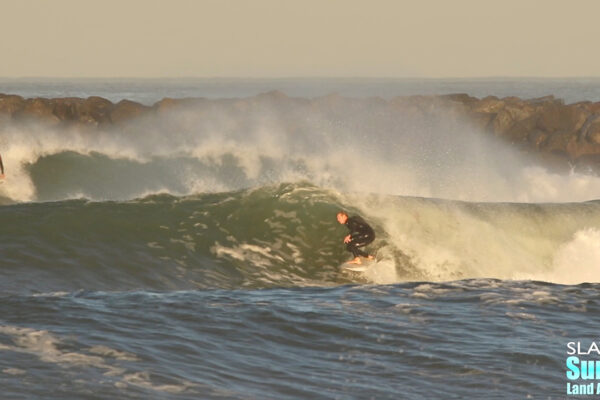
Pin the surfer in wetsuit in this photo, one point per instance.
(361, 234)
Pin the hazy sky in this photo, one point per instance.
(280, 38)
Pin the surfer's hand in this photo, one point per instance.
(347, 239)
(2, 176)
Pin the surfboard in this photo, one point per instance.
(366, 263)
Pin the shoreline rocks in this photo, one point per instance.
(543, 125)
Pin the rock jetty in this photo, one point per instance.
(543, 125)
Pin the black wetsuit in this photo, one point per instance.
(361, 234)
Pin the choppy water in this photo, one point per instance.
(198, 257)
(463, 339)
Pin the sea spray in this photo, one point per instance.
(230, 146)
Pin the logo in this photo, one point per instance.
(583, 368)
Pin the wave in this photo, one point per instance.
(342, 146)
(287, 235)
(245, 195)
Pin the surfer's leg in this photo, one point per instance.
(352, 249)
(356, 252)
(363, 241)
(362, 253)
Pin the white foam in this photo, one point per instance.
(578, 260)
(522, 315)
(143, 380)
(381, 272)
(112, 353)
(47, 347)
(442, 241)
(52, 294)
(14, 371)
(255, 255)
(337, 149)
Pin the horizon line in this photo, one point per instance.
(292, 77)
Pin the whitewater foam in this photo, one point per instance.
(578, 260)
(47, 347)
(347, 149)
(453, 240)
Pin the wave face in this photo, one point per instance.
(287, 235)
(244, 193)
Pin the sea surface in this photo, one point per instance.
(199, 257)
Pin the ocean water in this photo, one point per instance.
(197, 255)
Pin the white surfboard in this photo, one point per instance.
(363, 266)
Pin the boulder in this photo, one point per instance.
(537, 139)
(96, 110)
(502, 122)
(164, 105)
(68, 108)
(38, 109)
(10, 104)
(490, 104)
(556, 118)
(593, 132)
(559, 143)
(520, 111)
(126, 110)
(594, 108)
(521, 129)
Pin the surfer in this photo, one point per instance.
(1, 168)
(361, 234)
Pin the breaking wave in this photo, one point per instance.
(245, 196)
(287, 235)
(225, 146)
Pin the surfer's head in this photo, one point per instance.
(342, 217)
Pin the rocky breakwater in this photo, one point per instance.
(91, 112)
(545, 126)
